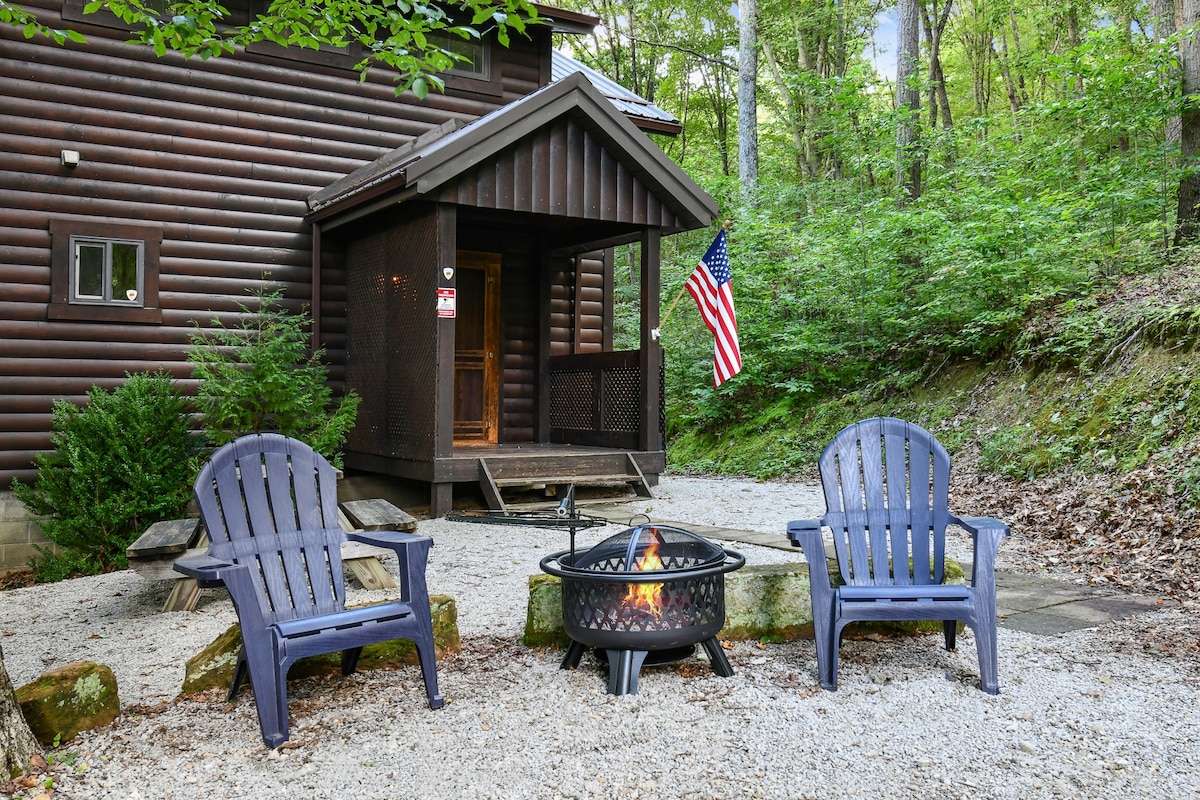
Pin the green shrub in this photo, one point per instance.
(122, 461)
(260, 376)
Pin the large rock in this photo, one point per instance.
(768, 602)
(213, 666)
(69, 699)
(543, 616)
(765, 602)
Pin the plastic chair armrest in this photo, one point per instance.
(389, 539)
(976, 525)
(806, 533)
(206, 569)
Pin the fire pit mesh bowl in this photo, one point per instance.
(648, 588)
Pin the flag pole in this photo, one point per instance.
(725, 226)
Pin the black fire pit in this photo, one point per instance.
(645, 596)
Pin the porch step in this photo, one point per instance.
(563, 480)
(491, 485)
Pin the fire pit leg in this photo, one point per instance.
(623, 669)
(574, 654)
(716, 657)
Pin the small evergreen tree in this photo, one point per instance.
(122, 461)
(261, 376)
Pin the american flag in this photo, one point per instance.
(710, 287)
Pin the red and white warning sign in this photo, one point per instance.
(446, 302)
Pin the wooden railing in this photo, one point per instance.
(596, 399)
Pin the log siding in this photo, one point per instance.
(220, 155)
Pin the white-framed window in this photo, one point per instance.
(104, 270)
(107, 271)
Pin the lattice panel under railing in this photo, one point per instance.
(572, 399)
(621, 409)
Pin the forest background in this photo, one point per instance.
(995, 239)
(989, 234)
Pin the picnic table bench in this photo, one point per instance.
(153, 557)
(153, 554)
(362, 559)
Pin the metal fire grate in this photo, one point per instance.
(651, 588)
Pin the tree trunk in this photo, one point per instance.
(908, 98)
(748, 96)
(794, 115)
(19, 744)
(935, 25)
(1010, 86)
(1188, 216)
(1162, 23)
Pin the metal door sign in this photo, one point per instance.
(446, 302)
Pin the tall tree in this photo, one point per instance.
(1187, 224)
(1163, 25)
(748, 96)
(934, 21)
(976, 30)
(908, 97)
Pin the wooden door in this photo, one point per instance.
(477, 347)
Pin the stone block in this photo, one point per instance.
(213, 666)
(770, 602)
(543, 616)
(70, 699)
(18, 556)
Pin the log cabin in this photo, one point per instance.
(456, 252)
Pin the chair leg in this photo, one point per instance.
(350, 660)
(986, 647)
(239, 675)
(428, 659)
(825, 633)
(828, 645)
(950, 626)
(270, 700)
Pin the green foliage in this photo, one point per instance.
(122, 461)
(261, 376)
(394, 34)
(51, 565)
(30, 27)
(1026, 218)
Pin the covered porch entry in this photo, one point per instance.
(479, 282)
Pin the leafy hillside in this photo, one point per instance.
(1084, 433)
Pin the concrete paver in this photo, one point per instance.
(1030, 603)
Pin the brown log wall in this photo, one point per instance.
(220, 154)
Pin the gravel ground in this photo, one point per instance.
(1079, 716)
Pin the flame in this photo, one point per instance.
(647, 596)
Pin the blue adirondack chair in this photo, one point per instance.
(269, 504)
(886, 483)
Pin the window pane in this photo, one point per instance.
(125, 272)
(471, 47)
(89, 280)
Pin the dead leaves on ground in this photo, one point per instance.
(1124, 531)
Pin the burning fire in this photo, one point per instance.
(647, 596)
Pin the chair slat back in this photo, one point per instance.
(270, 502)
(886, 485)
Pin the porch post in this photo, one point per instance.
(442, 494)
(650, 436)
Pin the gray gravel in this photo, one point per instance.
(1078, 715)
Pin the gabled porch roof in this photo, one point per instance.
(563, 150)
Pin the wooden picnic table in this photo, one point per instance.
(153, 554)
